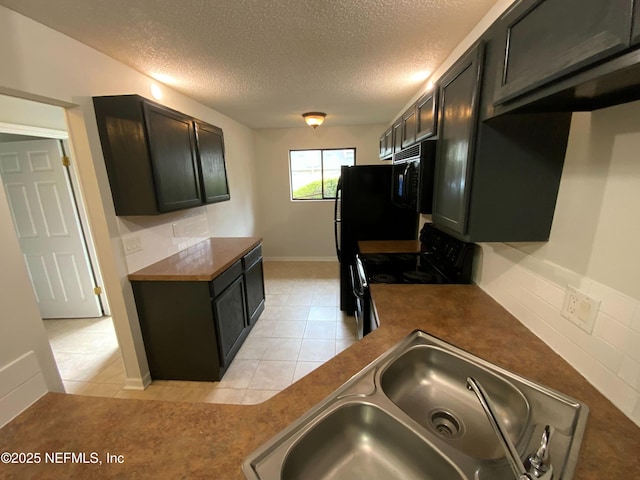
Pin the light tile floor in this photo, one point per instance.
(300, 329)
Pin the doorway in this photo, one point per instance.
(41, 186)
(43, 204)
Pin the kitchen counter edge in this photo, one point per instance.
(201, 262)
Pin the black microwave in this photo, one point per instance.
(413, 176)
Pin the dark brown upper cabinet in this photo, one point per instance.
(459, 106)
(426, 115)
(152, 158)
(635, 26)
(210, 143)
(386, 144)
(170, 136)
(544, 40)
(397, 135)
(495, 180)
(409, 123)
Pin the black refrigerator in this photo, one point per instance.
(363, 211)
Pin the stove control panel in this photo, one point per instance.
(448, 252)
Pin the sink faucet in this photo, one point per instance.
(537, 463)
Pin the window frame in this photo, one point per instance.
(321, 150)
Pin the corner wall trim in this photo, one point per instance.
(138, 383)
(21, 385)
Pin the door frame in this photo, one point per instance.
(76, 195)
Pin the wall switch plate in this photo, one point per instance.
(580, 309)
(131, 244)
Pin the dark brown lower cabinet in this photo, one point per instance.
(231, 320)
(192, 330)
(254, 284)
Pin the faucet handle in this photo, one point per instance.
(537, 464)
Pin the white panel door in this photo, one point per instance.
(47, 226)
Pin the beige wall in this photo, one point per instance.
(41, 64)
(302, 229)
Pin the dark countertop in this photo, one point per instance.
(190, 440)
(201, 262)
(389, 246)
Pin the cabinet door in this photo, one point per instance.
(397, 135)
(178, 330)
(546, 39)
(381, 146)
(230, 314)
(214, 185)
(409, 127)
(388, 142)
(173, 156)
(459, 92)
(254, 284)
(426, 115)
(635, 24)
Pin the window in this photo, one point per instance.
(314, 173)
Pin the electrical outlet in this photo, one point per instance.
(580, 309)
(131, 244)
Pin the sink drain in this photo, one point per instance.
(445, 424)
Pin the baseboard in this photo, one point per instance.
(137, 383)
(300, 259)
(21, 385)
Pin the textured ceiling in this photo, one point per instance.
(264, 63)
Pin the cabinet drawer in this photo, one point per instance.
(546, 39)
(226, 278)
(252, 257)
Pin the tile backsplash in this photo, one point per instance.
(533, 291)
(159, 238)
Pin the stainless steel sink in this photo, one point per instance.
(429, 384)
(360, 440)
(409, 415)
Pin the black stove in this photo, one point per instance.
(400, 268)
(443, 259)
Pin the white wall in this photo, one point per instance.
(294, 230)
(41, 64)
(24, 112)
(593, 246)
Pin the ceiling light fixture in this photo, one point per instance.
(314, 119)
(156, 91)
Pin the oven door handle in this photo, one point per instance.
(337, 220)
(359, 278)
(355, 286)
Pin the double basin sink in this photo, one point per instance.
(409, 415)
